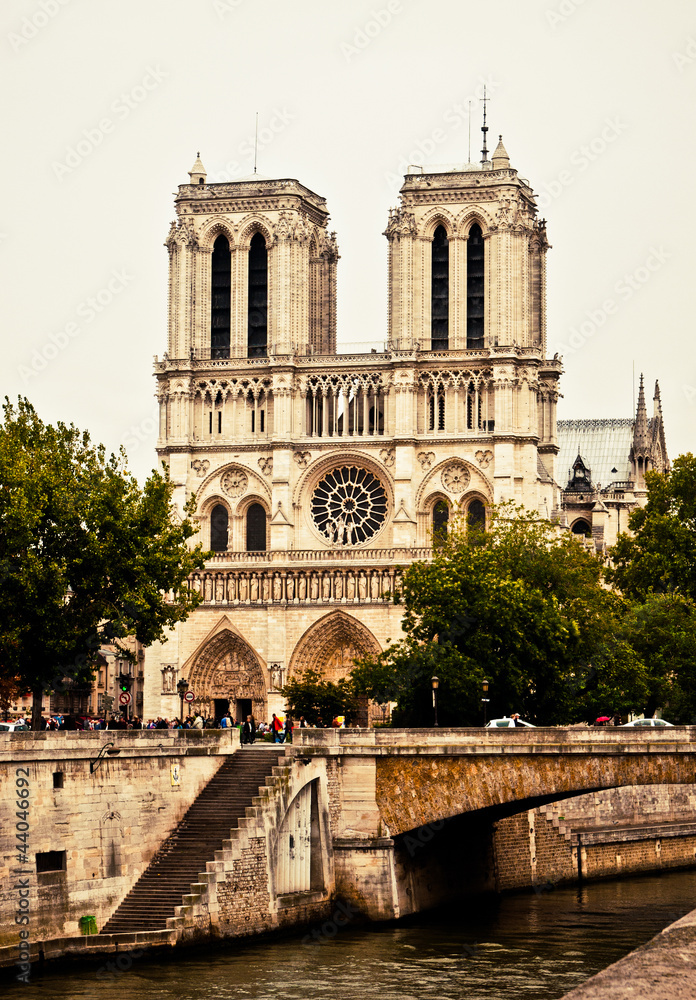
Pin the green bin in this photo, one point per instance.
(88, 925)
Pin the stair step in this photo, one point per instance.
(210, 823)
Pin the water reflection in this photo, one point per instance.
(536, 945)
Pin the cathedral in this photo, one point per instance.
(318, 474)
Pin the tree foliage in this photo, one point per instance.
(519, 605)
(660, 555)
(86, 556)
(319, 700)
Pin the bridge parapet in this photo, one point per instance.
(447, 742)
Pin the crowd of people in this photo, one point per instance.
(278, 730)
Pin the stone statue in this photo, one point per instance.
(168, 680)
(290, 586)
(302, 587)
(219, 589)
(338, 586)
(254, 588)
(277, 587)
(326, 586)
(374, 586)
(208, 589)
(314, 587)
(197, 584)
(362, 587)
(243, 587)
(231, 588)
(350, 587)
(266, 588)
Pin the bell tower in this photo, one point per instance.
(252, 270)
(467, 267)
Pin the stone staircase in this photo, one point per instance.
(183, 856)
(552, 815)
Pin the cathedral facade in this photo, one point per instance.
(318, 474)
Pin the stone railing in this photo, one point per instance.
(342, 553)
(287, 587)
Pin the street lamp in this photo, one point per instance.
(435, 683)
(110, 749)
(182, 687)
(485, 699)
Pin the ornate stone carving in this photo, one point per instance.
(426, 458)
(201, 465)
(302, 458)
(234, 482)
(387, 456)
(266, 466)
(401, 223)
(168, 679)
(484, 458)
(456, 477)
(277, 676)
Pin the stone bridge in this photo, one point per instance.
(412, 810)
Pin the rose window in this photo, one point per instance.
(456, 478)
(349, 505)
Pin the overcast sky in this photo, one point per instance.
(107, 102)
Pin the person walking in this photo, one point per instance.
(277, 729)
(248, 730)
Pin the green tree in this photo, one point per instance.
(86, 556)
(319, 700)
(520, 605)
(660, 554)
(662, 631)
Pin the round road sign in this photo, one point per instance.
(189, 696)
(124, 698)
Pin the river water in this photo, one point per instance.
(533, 945)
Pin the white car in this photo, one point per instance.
(508, 724)
(653, 723)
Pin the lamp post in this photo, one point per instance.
(435, 683)
(485, 699)
(182, 687)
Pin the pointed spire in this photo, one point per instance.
(640, 430)
(657, 401)
(500, 159)
(197, 172)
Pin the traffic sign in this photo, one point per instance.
(189, 697)
(124, 698)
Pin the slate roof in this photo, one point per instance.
(603, 444)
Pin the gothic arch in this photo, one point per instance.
(321, 465)
(331, 645)
(256, 483)
(252, 225)
(470, 216)
(477, 484)
(210, 232)
(227, 667)
(438, 217)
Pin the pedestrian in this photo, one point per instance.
(287, 729)
(276, 728)
(248, 730)
(302, 723)
(198, 721)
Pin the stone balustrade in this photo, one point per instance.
(264, 587)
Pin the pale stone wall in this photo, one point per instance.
(109, 823)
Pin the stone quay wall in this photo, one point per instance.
(618, 831)
(92, 833)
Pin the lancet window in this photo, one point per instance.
(219, 519)
(220, 288)
(256, 528)
(456, 401)
(231, 409)
(474, 289)
(258, 298)
(440, 291)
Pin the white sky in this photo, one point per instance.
(344, 105)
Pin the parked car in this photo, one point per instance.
(13, 727)
(508, 723)
(653, 723)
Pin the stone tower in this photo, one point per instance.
(317, 474)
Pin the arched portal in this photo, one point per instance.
(331, 645)
(227, 668)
